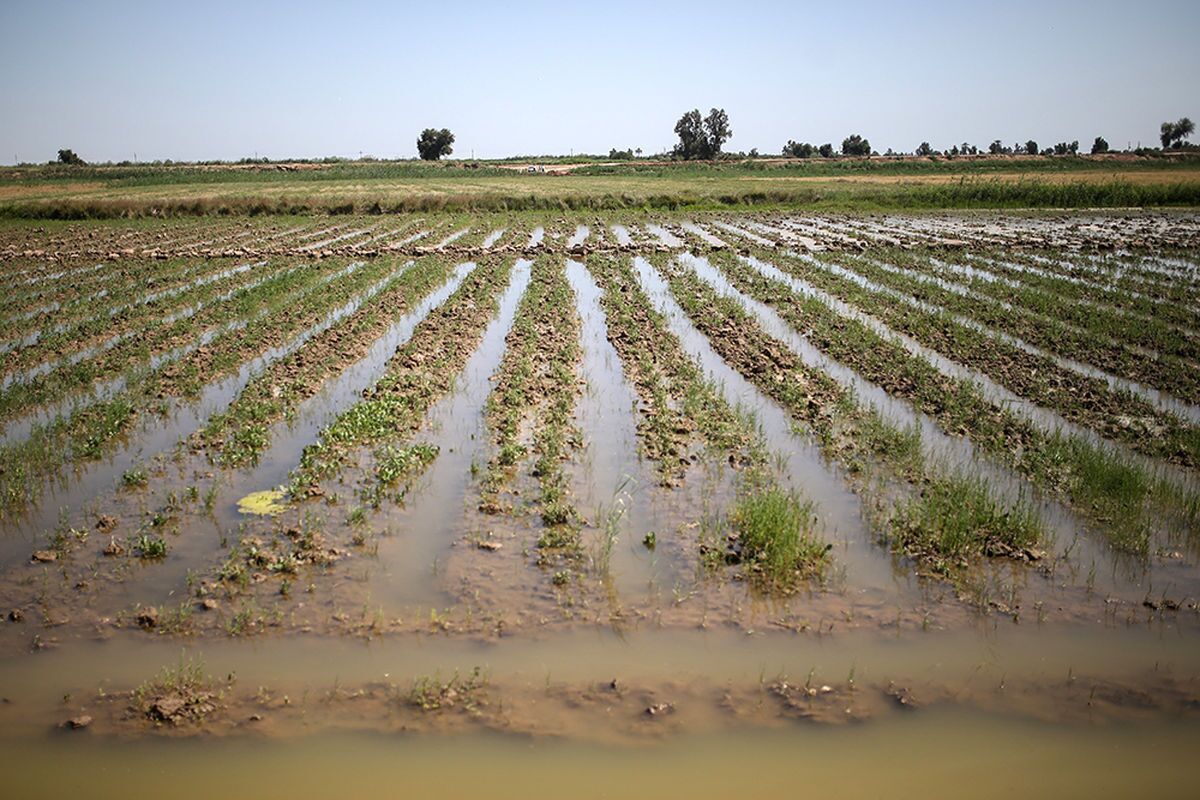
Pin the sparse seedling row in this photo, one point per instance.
(536, 382)
(1080, 399)
(854, 436)
(239, 434)
(418, 374)
(770, 531)
(1078, 469)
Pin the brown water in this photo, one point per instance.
(945, 754)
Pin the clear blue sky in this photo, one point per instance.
(226, 80)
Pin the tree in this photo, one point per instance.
(1173, 133)
(68, 157)
(690, 130)
(925, 149)
(433, 144)
(997, 148)
(702, 137)
(1031, 148)
(620, 155)
(799, 149)
(716, 125)
(826, 150)
(855, 145)
(1099, 146)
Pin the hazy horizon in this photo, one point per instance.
(226, 81)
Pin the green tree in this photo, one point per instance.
(690, 130)
(855, 145)
(1099, 146)
(1031, 148)
(826, 150)
(1173, 134)
(799, 149)
(925, 149)
(717, 131)
(68, 157)
(702, 137)
(434, 143)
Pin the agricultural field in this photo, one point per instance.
(392, 187)
(598, 480)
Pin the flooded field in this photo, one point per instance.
(601, 505)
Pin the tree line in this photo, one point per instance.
(703, 137)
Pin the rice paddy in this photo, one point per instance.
(602, 477)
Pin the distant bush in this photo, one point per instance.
(1099, 146)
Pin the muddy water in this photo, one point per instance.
(615, 481)
(838, 509)
(436, 515)
(932, 750)
(996, 756)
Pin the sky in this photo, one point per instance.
(226, 80)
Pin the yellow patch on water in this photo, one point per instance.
(269, 501)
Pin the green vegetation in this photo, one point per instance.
(771, 531)
(955, 519)
(94, 429)
(395, 187)
(239, 434)
(416, 376)
(775, 534)
(434, 144)
(431, 693)
(537, 379)
(1069, 465)
(1081, 399)
(852, 435)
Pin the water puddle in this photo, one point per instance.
(437, 511)
(664, 236)
(804, 467)
(614, 477)
(493, 237)
(579, 237)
